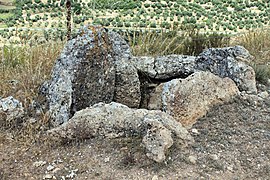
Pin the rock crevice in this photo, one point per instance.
(158, 129)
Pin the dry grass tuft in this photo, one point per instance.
(258, 44)
(187, 42)
(22, 71)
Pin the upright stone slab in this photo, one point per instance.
(83, 75)
(127, 83)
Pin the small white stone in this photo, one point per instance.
(264, 94)
(50, 167)
(213, 157)
(71, 175)
(59, 161)
(155, 177)
(230, 168)
(107, 159)
(48, 176)
(195, 131)
(55, 170)
(39, 163)
(192, 159)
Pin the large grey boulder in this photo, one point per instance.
(97, 66)
(10, 109)
(232, 62)
(165, 67)
(127, 84)
(229, 62)
(83, 75)
(117, 120)
(189, 99)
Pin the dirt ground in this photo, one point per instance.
(231, 142)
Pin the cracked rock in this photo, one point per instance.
(189, 99)
(117, 120)
(229, 62)
(165, 67)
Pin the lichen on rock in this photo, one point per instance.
(189, 99)
(229, 62)
(117, 120)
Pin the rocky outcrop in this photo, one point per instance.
(97, 66)
(10, 109)
(229, 62)
(189, 99)
(116, 120)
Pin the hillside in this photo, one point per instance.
(231, 142)
(209, 16)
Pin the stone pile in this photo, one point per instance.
(98, 66)
(98, 88)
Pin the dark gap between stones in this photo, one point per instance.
(149, 84)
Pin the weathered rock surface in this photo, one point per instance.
(127, 85)
(10, 109)
(119, 46)
(84, 74)
(117, 120)
(165, 67)
(97, 66)
(94, 67)
(229, 62)
(189, 99)
(157, 140)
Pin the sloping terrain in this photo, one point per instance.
(231, 142)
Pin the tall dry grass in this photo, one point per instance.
(23, 69)
(258, 44)
(187, 42)
(192, 42)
